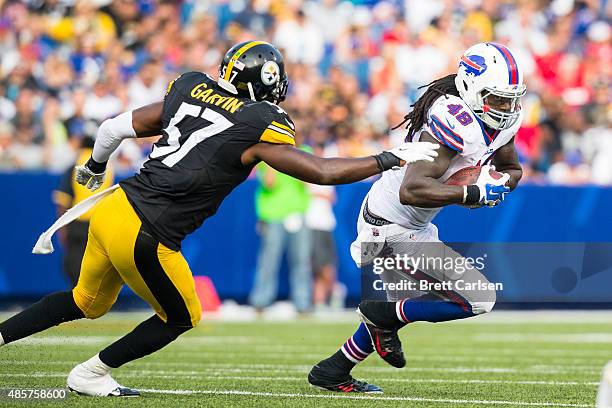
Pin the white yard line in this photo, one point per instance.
(498, 317)
(528, 317)
(548, 338)
(212, 376)
(365, 397)
(95, 340)
(503, 317)
(539, 369)
(560, 363)
(502, 356)
(487, 370)
(508, 358)
(346, 396)
(256, 367)
(481, 341)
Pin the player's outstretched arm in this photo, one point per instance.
(506, 161)
(420, 186)
(313, 169)
(142, 122)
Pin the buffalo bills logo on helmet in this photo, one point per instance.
(474, 64)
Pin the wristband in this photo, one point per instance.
(471, 194)
(386, 161)
(95, 167)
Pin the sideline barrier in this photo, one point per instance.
(225, 248)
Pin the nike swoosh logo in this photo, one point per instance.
(448, 123)
(379, 348)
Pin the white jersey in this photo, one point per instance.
(453, 124)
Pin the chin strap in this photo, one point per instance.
(251, 92)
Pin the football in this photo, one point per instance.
(469, 175)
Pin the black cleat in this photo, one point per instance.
(117, 392)
(384, 337)
(124, 392)
(319, 377)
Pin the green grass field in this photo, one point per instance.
(505, 360)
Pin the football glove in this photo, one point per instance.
(408, 152)
(90, 175)
(487, 190)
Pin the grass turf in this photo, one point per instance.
(487, 362)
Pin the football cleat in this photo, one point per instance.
(318, 378)
(385, 339)
(86, 382)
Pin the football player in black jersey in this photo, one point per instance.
(213, 133)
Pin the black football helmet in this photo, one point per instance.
(255, 70)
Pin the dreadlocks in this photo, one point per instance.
(417, 116)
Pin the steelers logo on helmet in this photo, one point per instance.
(270, 73)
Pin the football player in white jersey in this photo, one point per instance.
(474, 115)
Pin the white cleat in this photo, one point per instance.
(604, 396)
(93, 378)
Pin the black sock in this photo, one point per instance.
(148, 337)
(381, 313)
(337, 365)
(50, 311)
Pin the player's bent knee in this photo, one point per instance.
(94, 312)
(97, 311)
(91, 309)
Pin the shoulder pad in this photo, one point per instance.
(451, 122)
(187, 80)
(276, 124)
(276, 113)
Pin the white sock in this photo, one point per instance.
(96, 365)
(1, 340)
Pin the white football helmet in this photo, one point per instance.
(490, 82)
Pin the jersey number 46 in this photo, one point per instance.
(462, 117)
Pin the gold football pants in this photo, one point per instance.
(119, 251)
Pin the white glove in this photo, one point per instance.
(492, 191)
(85, 177)
(411, 152)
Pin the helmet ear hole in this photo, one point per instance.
(465, 85)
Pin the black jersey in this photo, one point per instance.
(196, 163)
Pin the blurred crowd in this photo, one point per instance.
(355, 69)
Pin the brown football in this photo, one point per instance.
(469, 175)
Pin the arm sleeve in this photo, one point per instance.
(110, 134)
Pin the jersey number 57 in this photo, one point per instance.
(174, 149)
